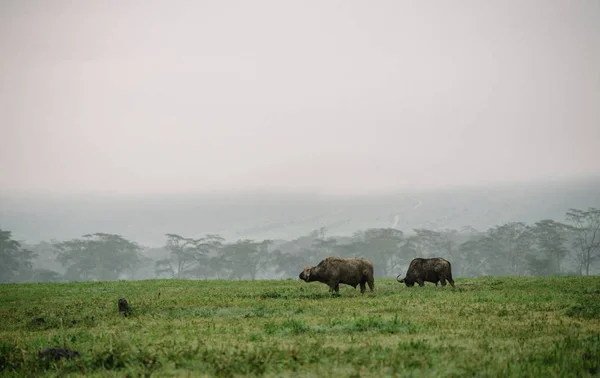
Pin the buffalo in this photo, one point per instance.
(433, 270)
(334, 271)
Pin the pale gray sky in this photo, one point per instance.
(130, 97)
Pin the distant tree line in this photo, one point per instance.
(546, 247)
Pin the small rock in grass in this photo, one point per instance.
(38, 321)
(58, 353)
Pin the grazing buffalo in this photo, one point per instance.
(334, 271)
(430, 270)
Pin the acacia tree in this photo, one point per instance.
(184, 255)
(15, 261)
(76, 257)
(447, 243)
(189, 257)
(550, 237)
(437, 242)
(99, 256)
(208, 256)
(585, 226)
(383, 246)
(442, 242)
(245, 257)
(115, 255)
(290, 257)
(323, 246)
(412, 247)
(509, 244)
(474, 259)
(290, 264)
(45, 265)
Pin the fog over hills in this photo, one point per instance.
(303, 112)
(258, 215)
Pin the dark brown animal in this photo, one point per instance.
(334, 271)
(123, 307)
(430, 270)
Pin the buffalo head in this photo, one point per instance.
(305, 274)
(408, 283)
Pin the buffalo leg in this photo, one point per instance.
(371, 284)
(421, 283)
(443, 282)
(334, 287)
(451, 280)
(363, 287)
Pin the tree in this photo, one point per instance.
(183, 256)
(290, 264)
(509, 243)
(428, 241)
(322, 245)
(246, 257)
(209, 256)
(211, 244)
(473, 256)
(76, 258)
(441, 242)
(9, 249)
(447, 244)
(46, 257)
(115, 255)
(98, 256)
(383, 246)
(190, 257)
(550, 237)
(164, 268)
(585, 226)
(412, 247)
(15, 261)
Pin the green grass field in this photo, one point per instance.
(493, 326)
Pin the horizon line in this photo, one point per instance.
(278, 191)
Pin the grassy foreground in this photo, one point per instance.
(485, 327)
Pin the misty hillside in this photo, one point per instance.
(289, 216)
